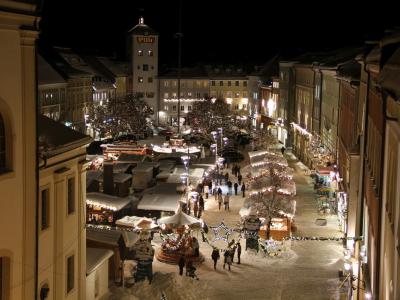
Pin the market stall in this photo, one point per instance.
(280, 229)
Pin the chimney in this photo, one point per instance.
(108, 177)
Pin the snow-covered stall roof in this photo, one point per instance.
(118, 177)
(195, 174)
(108, 201)
(110, 236)
(179, 219)
(137, 222)
(163, 197)
(95, 257)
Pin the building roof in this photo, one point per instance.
(95, 257)
(142, 29)
(196, 72)
(56, 138)
(111, 237)
(349, 71)
(162, 197)
(46, 73)
(116, 68)
(117, 177)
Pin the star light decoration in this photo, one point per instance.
(221, 236)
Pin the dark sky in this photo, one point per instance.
(216, 31)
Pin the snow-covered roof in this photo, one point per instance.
(117, 177)
(162, 197)
(111, 236)
(136, 222)
(179, 219)
(108, 201)
(95, 257)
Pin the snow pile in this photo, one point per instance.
(174, 287)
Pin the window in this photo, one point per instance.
(221, 83)
(145, 67)
(244, 106)
(237, 95)
(166, 95)
(166, 83)
(2, 144)
(150, 79)
(45, 208)
(244, 83)
(198, 95)
(173, 107)
(182, 107)
(140, 79)
(236, 106)
(189, 94)
(213, 83)
(140, 52)
(4, 277)
(70, 273)
(175, 83)
(71, 195)
(236, 83)
(150, 95)
(229, 83)
(189, 108)
(150, 53)
(174, 95)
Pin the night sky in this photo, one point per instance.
(215, 31)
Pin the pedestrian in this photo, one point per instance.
(236, 170)
(283, 150)
(181, 264)
(227, 259)
(196, 247)
(243, 189)
(219, 191)
(189, 266)
(195, 208)
(215, 256)
(239, 251)
(201, 206)
(205, 190)
(240, 178)
(233, 252)
(219, 201)
(210, 186)
(226, 178)
(226, 201)
(229, 186)
(235, 186)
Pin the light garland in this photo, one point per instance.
(313, 238)
(95, 203)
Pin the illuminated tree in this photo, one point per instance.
(127, 114)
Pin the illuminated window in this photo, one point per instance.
(140, 79)
(189, 94)
(145, 67)
(213, 83)
(166, 95)
(150, 79)
(174, 83)
(140, 52)
(166, 83)
(236, 83)
(237, 95)
(150, 53)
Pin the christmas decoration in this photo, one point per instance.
(224, 236)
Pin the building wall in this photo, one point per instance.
(102, 276)
(18, 182)
(51, 97)
(390, 235)
(329, 111)
(65, 234)
(235, 91)
(317, 103)
(145, 68)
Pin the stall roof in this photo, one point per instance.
(118, 177)
(101, 199)
(95, 257)
(111, 237)
(162, 197)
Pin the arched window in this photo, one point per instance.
(2, 145)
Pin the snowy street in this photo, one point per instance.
(306, 270)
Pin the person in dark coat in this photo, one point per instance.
(229, 184)
(215, 256)
(201, 206)
(240, 178)
(181, 264)
(219, 191)
(239, 251)
(235, 186)
(283, 150)
(243, 189)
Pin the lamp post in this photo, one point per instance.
(185, 177)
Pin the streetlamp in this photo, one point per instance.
(215, 146)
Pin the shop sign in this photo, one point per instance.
(145, 39)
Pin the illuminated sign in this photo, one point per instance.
(145, 39)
